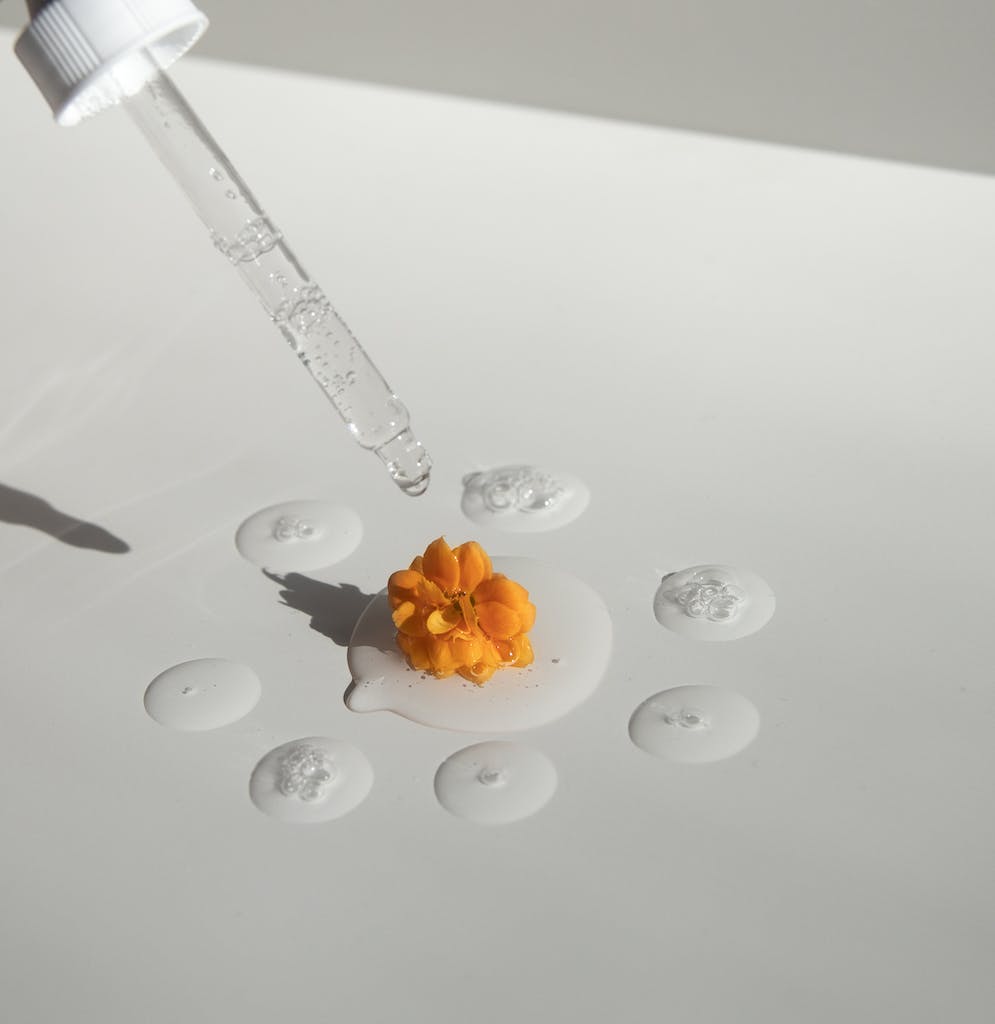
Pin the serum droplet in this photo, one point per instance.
(311, 780)
(299, 535)
(523, 499)
(694, 724)
(713, 602)
(203, 694)
(495, 782)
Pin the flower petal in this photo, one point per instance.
(440, 654)
(467, 650)
(527, 613)
(523, 651)
(505, 650)
(500, 588)
(498, 620)
(442, 620)
(402, 586)
(409, 585)
(477, 673)
(416, 650)
(407, 619)
(439, 565)
(474, 565)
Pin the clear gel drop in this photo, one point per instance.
(311, 780)
(495, 783)
(297, 536)
(694, 724)
(523, 499)
(203, 694)
(713, 602)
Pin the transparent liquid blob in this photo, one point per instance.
(571, 640)
(694, 724)
(246, 236)
(306, 772)
(297, 536)
(203, 694)
(495, 783)
(713, 602)
(523, 499)
(311, 780)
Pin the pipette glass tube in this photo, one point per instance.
(256, 248)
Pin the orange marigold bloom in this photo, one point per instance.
(455, 614)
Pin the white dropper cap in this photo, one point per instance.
(85, 55)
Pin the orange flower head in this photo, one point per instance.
(454, 614)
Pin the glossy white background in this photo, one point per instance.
(752, 355)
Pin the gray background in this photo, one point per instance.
(909, 80)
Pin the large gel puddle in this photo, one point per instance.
(571, 640)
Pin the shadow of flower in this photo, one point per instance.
(334, 608)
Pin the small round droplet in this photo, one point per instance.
(694, 724)
(231, 193)
(311, 780)
(523, 499)
(713, 602)
(495, 783)
(299, 535)
(216, 174)
(203, 694)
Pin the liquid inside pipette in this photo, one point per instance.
(376, 418)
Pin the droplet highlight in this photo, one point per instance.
(713, 602)
(523, 499)
(495, 782)
(571, 640)
(297, 536)
(311, 780)
(694, 724)
(206, 693)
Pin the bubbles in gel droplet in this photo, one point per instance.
(202, 694)
(495, 783)
(571, 640)
(290, 528)
(694, 724)
(713, 602)
(523, 499)
(299, 535)
(311, 780)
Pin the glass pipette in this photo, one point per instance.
(254, 245)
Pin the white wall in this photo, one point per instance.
(910, 80)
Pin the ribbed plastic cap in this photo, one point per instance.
(85, 55)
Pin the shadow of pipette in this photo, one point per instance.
(22, 509)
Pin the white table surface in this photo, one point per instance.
(752, 355)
